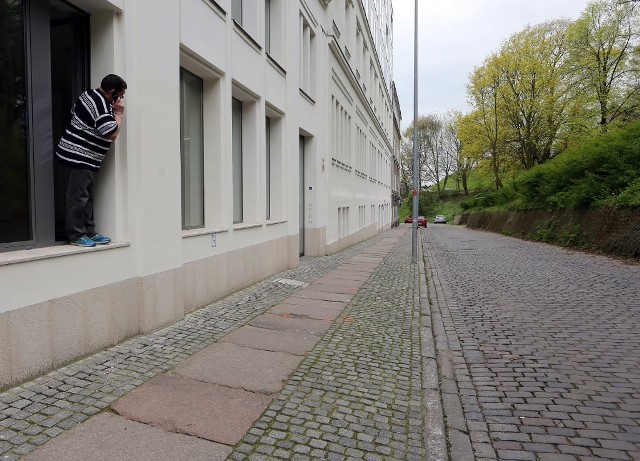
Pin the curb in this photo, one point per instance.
(446, 433)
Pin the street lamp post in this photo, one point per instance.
(416, 179)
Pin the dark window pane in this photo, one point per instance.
(15, 222)
(236, 157)
(236, 11)
(191, 128)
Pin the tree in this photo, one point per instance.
(603, 42)
(535, 89)
(436, 149)
(482, 130)
(451, 144)
(406, 167)
(466, 159)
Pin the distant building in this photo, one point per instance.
(255, 132)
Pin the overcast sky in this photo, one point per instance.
(454, 37)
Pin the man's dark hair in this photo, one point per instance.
(113, 82)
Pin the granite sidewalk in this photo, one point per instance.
(320, 362)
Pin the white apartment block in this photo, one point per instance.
(256, 131)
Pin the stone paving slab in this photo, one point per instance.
(108, 437)
(357, 269)
(176, 404)
(288, 322)
(297, 343)
(329, 288)
(240, 367)
(347, 274)
(309, 293)
(303, 310)
(333, 279)
(313, 303)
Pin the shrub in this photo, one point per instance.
(603, 170)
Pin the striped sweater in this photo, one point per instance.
(84, 143)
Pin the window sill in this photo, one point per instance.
(273, 223)
(241, 226)
(37, 254)
(306, 96)
(213, 4)
(201, 231)
(246, 36)
(276, 66)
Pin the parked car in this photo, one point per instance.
(408, 220)
(440, 219)
(422, 221)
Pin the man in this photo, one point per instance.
(96, 119)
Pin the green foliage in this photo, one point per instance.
(602, 171)
(545, 232)
(629, 197)
(430, 205)
(570, 237)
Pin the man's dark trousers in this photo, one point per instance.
(79, 202)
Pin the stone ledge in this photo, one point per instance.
(610, 230)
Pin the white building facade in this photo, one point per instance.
(255, 131)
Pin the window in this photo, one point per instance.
(274, 29)
(15, 208)
(236, 11)
(359, 52)
(268, 169)
(236, 141)
(192, 149)
(347, 22)
(273, 173)
(267, 26)
(343, 222)
(307, 52)
(44, 69)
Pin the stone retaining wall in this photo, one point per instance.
(613, 231)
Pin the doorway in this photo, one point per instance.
(69, 35)
(301, 197)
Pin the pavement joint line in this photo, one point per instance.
(126, 366)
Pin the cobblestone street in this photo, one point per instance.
(494, 348)
(539, 348)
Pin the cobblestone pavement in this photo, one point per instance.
(358, 394)
(538, 348)
(35, 412)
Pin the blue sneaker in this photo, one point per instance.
(101, 239)
(84, 241)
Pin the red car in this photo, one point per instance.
(422, 221)
(408, 220)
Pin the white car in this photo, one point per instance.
(440, 219)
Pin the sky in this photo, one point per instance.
(454, 37)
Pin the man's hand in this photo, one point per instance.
(118, 108)
(118, 113)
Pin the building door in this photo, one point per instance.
(301, 198)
